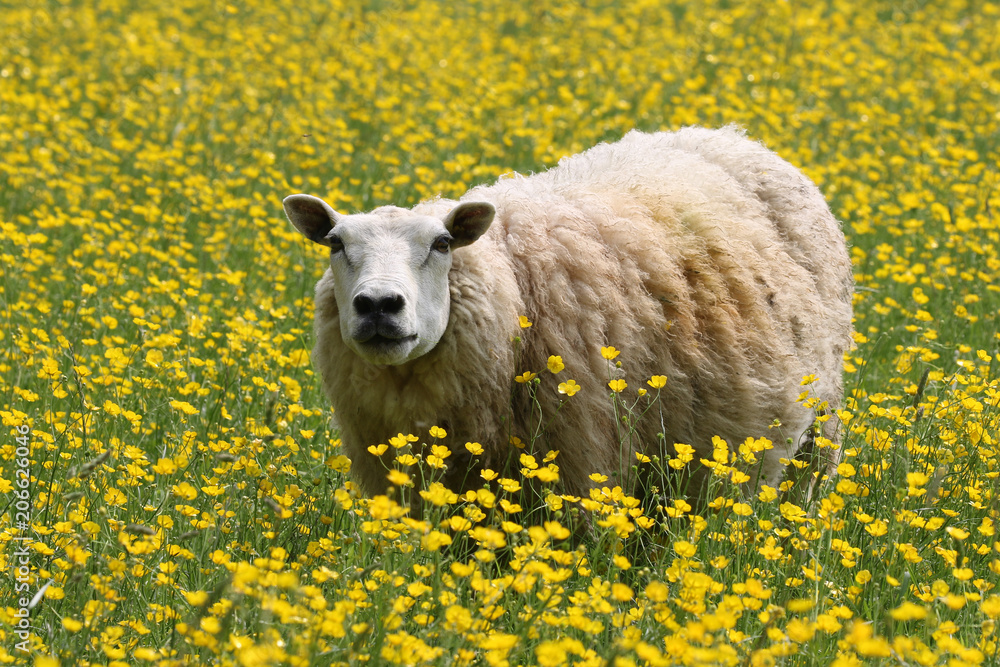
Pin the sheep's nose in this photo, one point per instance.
(383, 304)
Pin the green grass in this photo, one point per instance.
(189, 497)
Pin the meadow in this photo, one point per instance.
(189, 502)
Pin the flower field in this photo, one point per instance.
(172, 487)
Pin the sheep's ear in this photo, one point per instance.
(468, 221)
(311, 215)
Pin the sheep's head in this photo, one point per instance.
(390, 269)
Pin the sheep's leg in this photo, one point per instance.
(819, 462)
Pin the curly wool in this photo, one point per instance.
(700, 254)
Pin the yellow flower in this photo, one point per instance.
(720, 450)
(458, 618)
(398, 478)
(382, 507)
(435, 461)
(908, 612)
(400, 440)
(828, 623)
(458, 523)
(617, 385)
(438, 432)
(509, 507)
(657, 381)
(685, 549)
(991, 606)
(657, 592)
(196, 598)
(878, 528)
(184, 407)
(55, 593)
(299, 358)
(771, 550)
(523, 321)
(957, 533)
(525, 377)
(800, 605)
(76, 554)
(548, 474)
(800, 631)
(550, 654)
(439, 494)
(685, 452)
(184, 490)
(509, 485)
(556, 530)
(49, 369)
(739, 477)
(114, 496)
(569, 387)
(510, 527)
(609, 352)
(621, 592)
(489, 538)
(555, 364)
(474, 448)
(755, 588)
(434, 540)
(792, 512)
(378, 450)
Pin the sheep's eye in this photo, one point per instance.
(442, 244)
(336, 245)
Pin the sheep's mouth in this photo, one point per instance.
(381, 342)
(386, 350)
(381, 333)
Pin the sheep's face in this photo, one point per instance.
(390, 269)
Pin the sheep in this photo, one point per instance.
(700, 254)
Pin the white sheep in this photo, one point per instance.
(700, 254)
